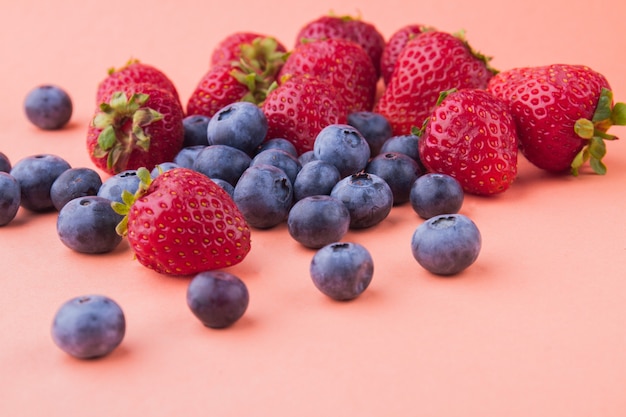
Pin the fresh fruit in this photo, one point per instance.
(222, 161)
(74, 183)
(399, 172)
(89, 326)
(141, 126)
(471, 136)
(48, 107)
(300, 107)
(217, 88)
(432, 62)
(340, 62)
(195, 127)
(217, 298)
(161, 168)
(9, 198)
(35, 174)
(562, 112)
(288, 163)
(433, 194)
(368, 197)
(278, 143)
(87, 225)
(183, 223)
(405, 144)
(344, 147)
(446, 244)
(113, 187)
(315, 178)
(395, 45)
(242, 125)
(5, 163)
(374, 127)
(318, 220)
(265, 50)
(186, 157)
(342, 270)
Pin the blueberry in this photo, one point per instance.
(36, 174)
(318, 220)
(342, 271)
(344, 147)
(48, 107)
(9, 198)
(433, 194)
(279, 143)
(226, 186)
(315, 178)
(87, 225)
(74, 183)
(306, 157)
(398, 170)
(5, 163)
(186, 156)
(405, 144)
(446, 244)
(89, 326)
(217, 298)
(162, 167)
(367, 197)
(280, 159)
(241, 124)
(195, 127)
(113, 187)
(264, 195)
(374, 127)
(222, 161)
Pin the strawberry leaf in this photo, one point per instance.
(603, 109)
(107, 138)
(618, 115)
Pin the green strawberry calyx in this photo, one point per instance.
(128, 199)
(484, 58)
(121, 122)
(594, 131)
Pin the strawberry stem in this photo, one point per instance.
(128, 199)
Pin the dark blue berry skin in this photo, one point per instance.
(342, 271)
(405, 144)
(222, 161)
(87, 225)
(217, 298)
(315, 178)
(374, 127)
(398, 170)
(74, 183)
(195, 127)
(113, 187)
(306, 157)
(318, 220)
(36, 174)
(344, 147)
(367, 197)
(242, 125)
(89, 326)
(186, 156)
(280, 159)
(446, 244)
(279, 143)
(264, 195)
(433, 194)
(48, 107)
(162, 167)
(226, 186)
(9, 198)
(5, 163)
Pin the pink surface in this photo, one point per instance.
(537, 327)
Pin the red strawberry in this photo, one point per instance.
(231, 47)
(345, 27)
(141, 126)
(394, 46)
(562, 113)
(215, 90)
(430, 63)
(183, 223)
(300, 107)
(340, 62)
(471, 136)
(134, 72)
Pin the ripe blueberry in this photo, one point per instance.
(48, 107)
(368, 197)
(434, 193)
(74, 183)
(36, 174)
(318, 220)
(344, 147)
(9, 198)
(217, 298)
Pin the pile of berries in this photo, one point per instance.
(300, 136)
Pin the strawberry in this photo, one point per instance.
(300, 107)
(233, 46)
(432, 62)
(141, 126)
(215, 90)
(562, 113)
(471, 136)
(345, 27)
(183, 223)
(394, 46)
(340, 62)
(133, 72)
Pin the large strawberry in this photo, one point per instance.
(562, 112)
(300, 107)
(430, 63)
(141, 126)
(395, 45)
(345, 27)
(471, 136)
(340, 62)
(183, 223)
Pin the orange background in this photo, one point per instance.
(536, 327)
